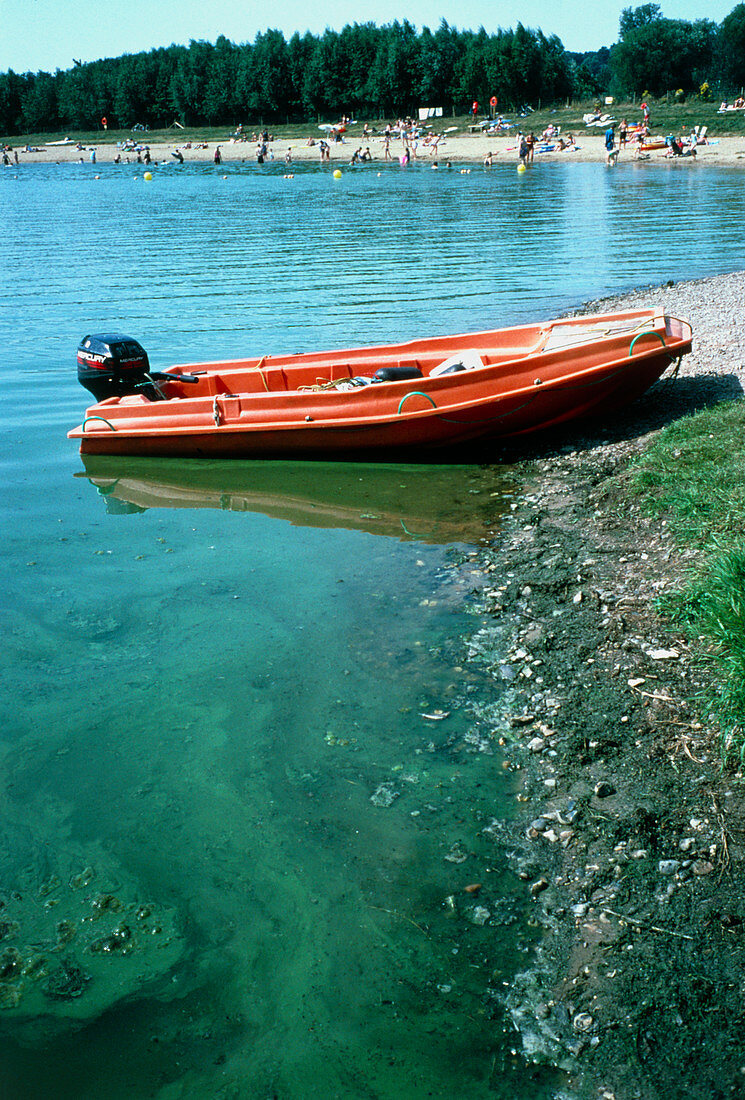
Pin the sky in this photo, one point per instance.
(45, 35)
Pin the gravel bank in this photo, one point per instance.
(630, 841)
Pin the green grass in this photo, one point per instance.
(694, 475)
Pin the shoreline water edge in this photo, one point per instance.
(452, 148)
(629, 839)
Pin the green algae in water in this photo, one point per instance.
(282, 760)
(75, 937)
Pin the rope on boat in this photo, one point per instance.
(323, 384)
(106, 422)
(258, 367)
(673, 374)
(414, 393)
(216, 412)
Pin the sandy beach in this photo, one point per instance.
(456, 148)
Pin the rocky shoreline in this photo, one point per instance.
(630, 841)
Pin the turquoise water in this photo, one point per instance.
(229, 829)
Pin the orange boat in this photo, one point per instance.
(429, 393)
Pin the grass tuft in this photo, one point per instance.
(694, 475)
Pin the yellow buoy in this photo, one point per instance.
(148, 176)
(337, 173)
(521, 168)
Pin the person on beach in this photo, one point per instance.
(488, 159)
(610, 149)
(522, 149)
(288, 155)
(622, 132)
(530, 140)
(639, 153)
(178, 155)
(218, 156)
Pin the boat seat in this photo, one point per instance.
(464, 360)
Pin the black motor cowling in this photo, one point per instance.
(112, 365)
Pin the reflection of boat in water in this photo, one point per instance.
(426, 394)
(434, 504)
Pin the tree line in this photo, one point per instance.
(368, 71)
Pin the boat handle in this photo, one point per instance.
(647, 332)
(107, 422)
(414, 393)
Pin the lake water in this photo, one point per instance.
(229, 829)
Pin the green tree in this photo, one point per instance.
(266, 88)
(13, 89)
(39, 104)
(300, 51)
(634, 18)
(75, 106)
(219, 99)
(662, 55)
(395, 74)
(730, 49)
(189, 80)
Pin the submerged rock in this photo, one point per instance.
(69, 951)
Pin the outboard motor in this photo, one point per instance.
(112, 366)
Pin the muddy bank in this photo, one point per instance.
(630, 840)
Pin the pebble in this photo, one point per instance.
(603, 789)
(384, 796)
(702, 867)
(536, 744)
(583, 1021)
(538, 886)
(480, 915)
(668, 866)
(456, 855)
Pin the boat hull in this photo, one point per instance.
(528, 393)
